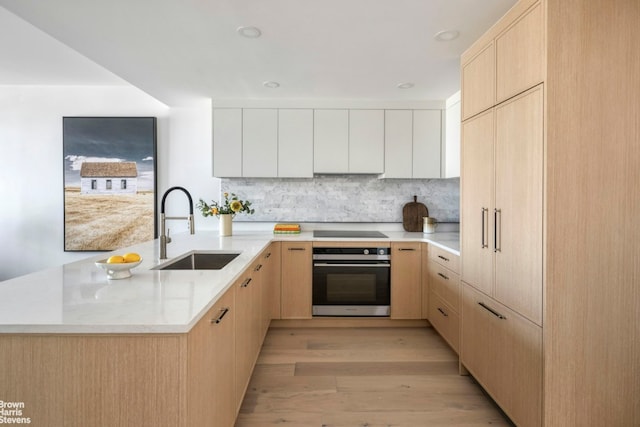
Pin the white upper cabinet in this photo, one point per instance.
(427, 143)
(331, 141)
(348, 141)
(413, 140)
(227, 142)
(260, 142)
(366, 141)
(295, 143)
(301, 142)
(398, 143)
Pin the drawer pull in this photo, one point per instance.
(297, 249)
(443, 276)
(267, 255)
(223, 312)
(492, 311)
(443, 258)
(443, 313)
(497, 232)
(485, 214)
(406, 249)
(259, 266)
(246, 283)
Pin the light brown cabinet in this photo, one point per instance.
(477, 200)
(211, 362)
(247, 330)
(479, 82)
(518, 204)
(296, 280)
(502, 205)
(445, 320)
(182, 380)
(424, 266)
(272, 276)
(406, 280)
(499, 202)
(504, 352)
(507, 64)
(520, 55)
(444, 298)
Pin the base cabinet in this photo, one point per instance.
(503, 351)
(406, 280)
(445, 320)
(141, 380)
(444, 294)
(296, 280)
(211, 361)
(248, 328)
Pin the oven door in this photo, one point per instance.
(351, 288)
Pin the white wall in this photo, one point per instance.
(31, 180)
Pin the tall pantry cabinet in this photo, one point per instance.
(550, 322)
(502, 211)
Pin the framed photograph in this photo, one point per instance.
(109, 182)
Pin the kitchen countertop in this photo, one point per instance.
(78, 298)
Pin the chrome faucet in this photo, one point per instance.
(164, 238)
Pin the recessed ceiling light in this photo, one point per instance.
(271, 84)
(446, 35)
(405, 85)
(249, 32)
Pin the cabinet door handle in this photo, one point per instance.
(443, 258)
(267, 255)
(297, 249)
(492, 311)
(259, 266)
(484, 224)
(218, 319)
(497, 235)
(443, 276)
(406, 249)
(246, 283)
(443, 313)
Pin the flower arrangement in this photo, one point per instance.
(231, 205)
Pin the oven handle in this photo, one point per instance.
(328, 264)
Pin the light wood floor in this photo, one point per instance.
(362, 377)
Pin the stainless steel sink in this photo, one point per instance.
(200, 260)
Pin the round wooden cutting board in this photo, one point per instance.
(412, 214)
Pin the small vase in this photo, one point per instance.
(226, 222)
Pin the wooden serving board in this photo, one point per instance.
(412, 214)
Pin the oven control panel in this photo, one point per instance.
(338, 253)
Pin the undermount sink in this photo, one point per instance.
(200, 261)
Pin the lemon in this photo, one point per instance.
(131, 257)
(115, 259)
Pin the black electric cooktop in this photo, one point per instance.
(350, 234)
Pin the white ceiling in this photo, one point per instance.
(184, 51)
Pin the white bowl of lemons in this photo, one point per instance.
(119, 266)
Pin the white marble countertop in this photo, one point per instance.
(78, 298)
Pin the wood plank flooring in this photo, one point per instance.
(362, 377)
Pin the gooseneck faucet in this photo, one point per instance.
(164, 239)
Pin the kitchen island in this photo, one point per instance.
(163, 347)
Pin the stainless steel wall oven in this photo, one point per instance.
(351, 281)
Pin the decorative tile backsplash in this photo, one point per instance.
(344, 198)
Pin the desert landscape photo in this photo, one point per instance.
(107, 222)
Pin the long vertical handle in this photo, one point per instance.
(497, 232)
(484, 224)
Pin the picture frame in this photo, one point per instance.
(110, 182)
